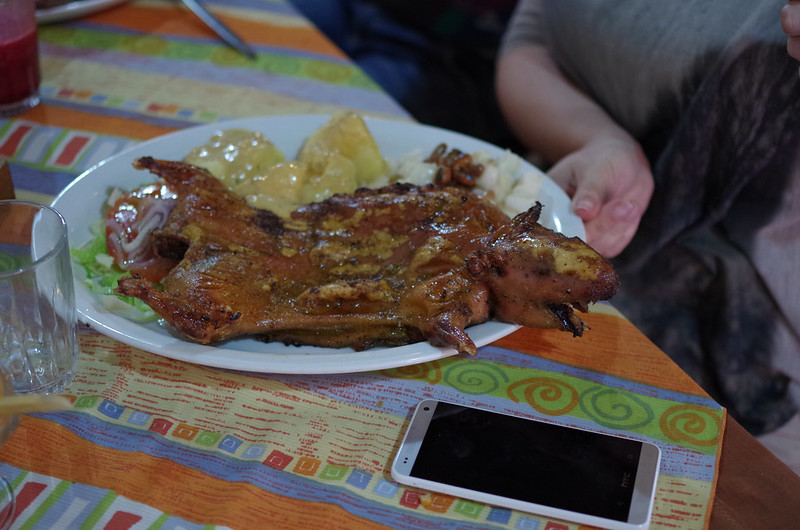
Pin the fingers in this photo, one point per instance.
(587, 194)
(611, 185)
(586, 206)
(614, 227)
(619, 202)
(790, 22)
(790, 18)
(609, 239)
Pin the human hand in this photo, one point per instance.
(610, 183)
(790, 22)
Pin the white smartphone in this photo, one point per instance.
(528, 465)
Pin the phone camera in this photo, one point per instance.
(426, 408)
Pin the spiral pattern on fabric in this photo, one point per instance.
(475, 377)
(430, 372)
(686, 423)
(546, 394)
(615, 408)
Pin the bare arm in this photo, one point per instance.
(530, 85)
(595, 160)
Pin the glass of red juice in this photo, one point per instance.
(19, 57)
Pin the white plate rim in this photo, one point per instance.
(395, 138)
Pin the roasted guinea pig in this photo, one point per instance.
(378, 267)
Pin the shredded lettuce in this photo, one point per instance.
(102, 275)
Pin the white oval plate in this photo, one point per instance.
(82, 201)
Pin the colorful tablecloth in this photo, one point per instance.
(159, 443)
(165, 444)
(147, 68)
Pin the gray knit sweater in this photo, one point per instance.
(642, 58)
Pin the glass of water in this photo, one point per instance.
(38, 343)
(8, 422)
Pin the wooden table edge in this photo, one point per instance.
(754, 488)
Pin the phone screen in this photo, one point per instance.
(530, 461)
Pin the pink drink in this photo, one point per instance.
(19, 57)
(19, 68)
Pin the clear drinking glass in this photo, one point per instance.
(38, 342)
(8, 501)
(19, 57)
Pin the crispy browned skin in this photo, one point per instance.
(376, 267)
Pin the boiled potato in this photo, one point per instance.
(286, 186)
(340, 157)
(279, 189)
(235, 155)
(346, 135)
(339, 175)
